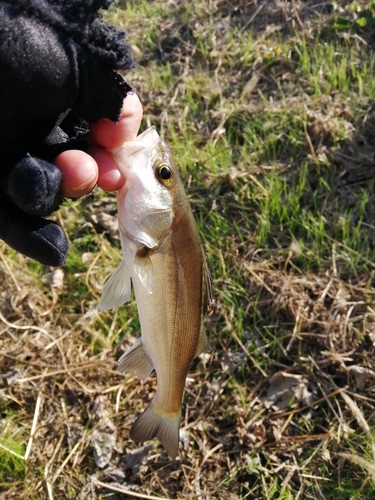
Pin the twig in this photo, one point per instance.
(60, 469)
(253, 16)
(118, 398)
(258, 278)
(23, 327)
(360, 419)
(325, 291)
(126, 491)
(308, 140)
(246, 351)
(206, 457)
(346, 325)
(34, 424)
(48, 464)
(60, 371)
(32, 433)
(10, 271)
(280, 414)
(260, 186)
(50, 491)
(296, 440)
(294, 334)
(362, 462)
(287, 479)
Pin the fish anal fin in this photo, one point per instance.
(152, 424)
(136, 361)
(117, 289)
(203, 344)
(144, 269)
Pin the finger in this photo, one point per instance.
(40, 239)
(79, 172)
(110, 178)
(34, 186)
(112, 135)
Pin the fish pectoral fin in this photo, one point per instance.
(117, 289)
(136, 361)
(152, 424)
(145, 270)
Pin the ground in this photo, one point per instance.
(269, 110)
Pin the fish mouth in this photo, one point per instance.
(147, 140)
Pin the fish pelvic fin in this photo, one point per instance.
(136, 361)
(117, 289)
(152, 424)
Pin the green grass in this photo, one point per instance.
(272, 127)
(12, 450)
(13, 468)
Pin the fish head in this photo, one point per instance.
(153, 195)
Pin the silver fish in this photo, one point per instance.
(164, 258)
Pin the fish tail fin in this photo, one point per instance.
(152, 424)
(117, 289)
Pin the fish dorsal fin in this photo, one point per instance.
(144, 269)
(117, 289)
(203, 343)
(136, 361)
(208, 283)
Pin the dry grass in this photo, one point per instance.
(278, 159)
(253, 408)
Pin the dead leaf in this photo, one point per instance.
(285, 386)
(360, 375)
(55, 278)
(257, 432)
(250, 86)
(100, 408)
(108, 222)
(103, 438)
(134, 458)
(11, 377)
(232, 361)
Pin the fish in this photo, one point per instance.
(164, 259)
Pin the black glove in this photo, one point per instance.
(58, 72)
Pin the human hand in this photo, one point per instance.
(81, 170)
(59, 66)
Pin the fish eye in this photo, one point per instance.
(164, 174)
